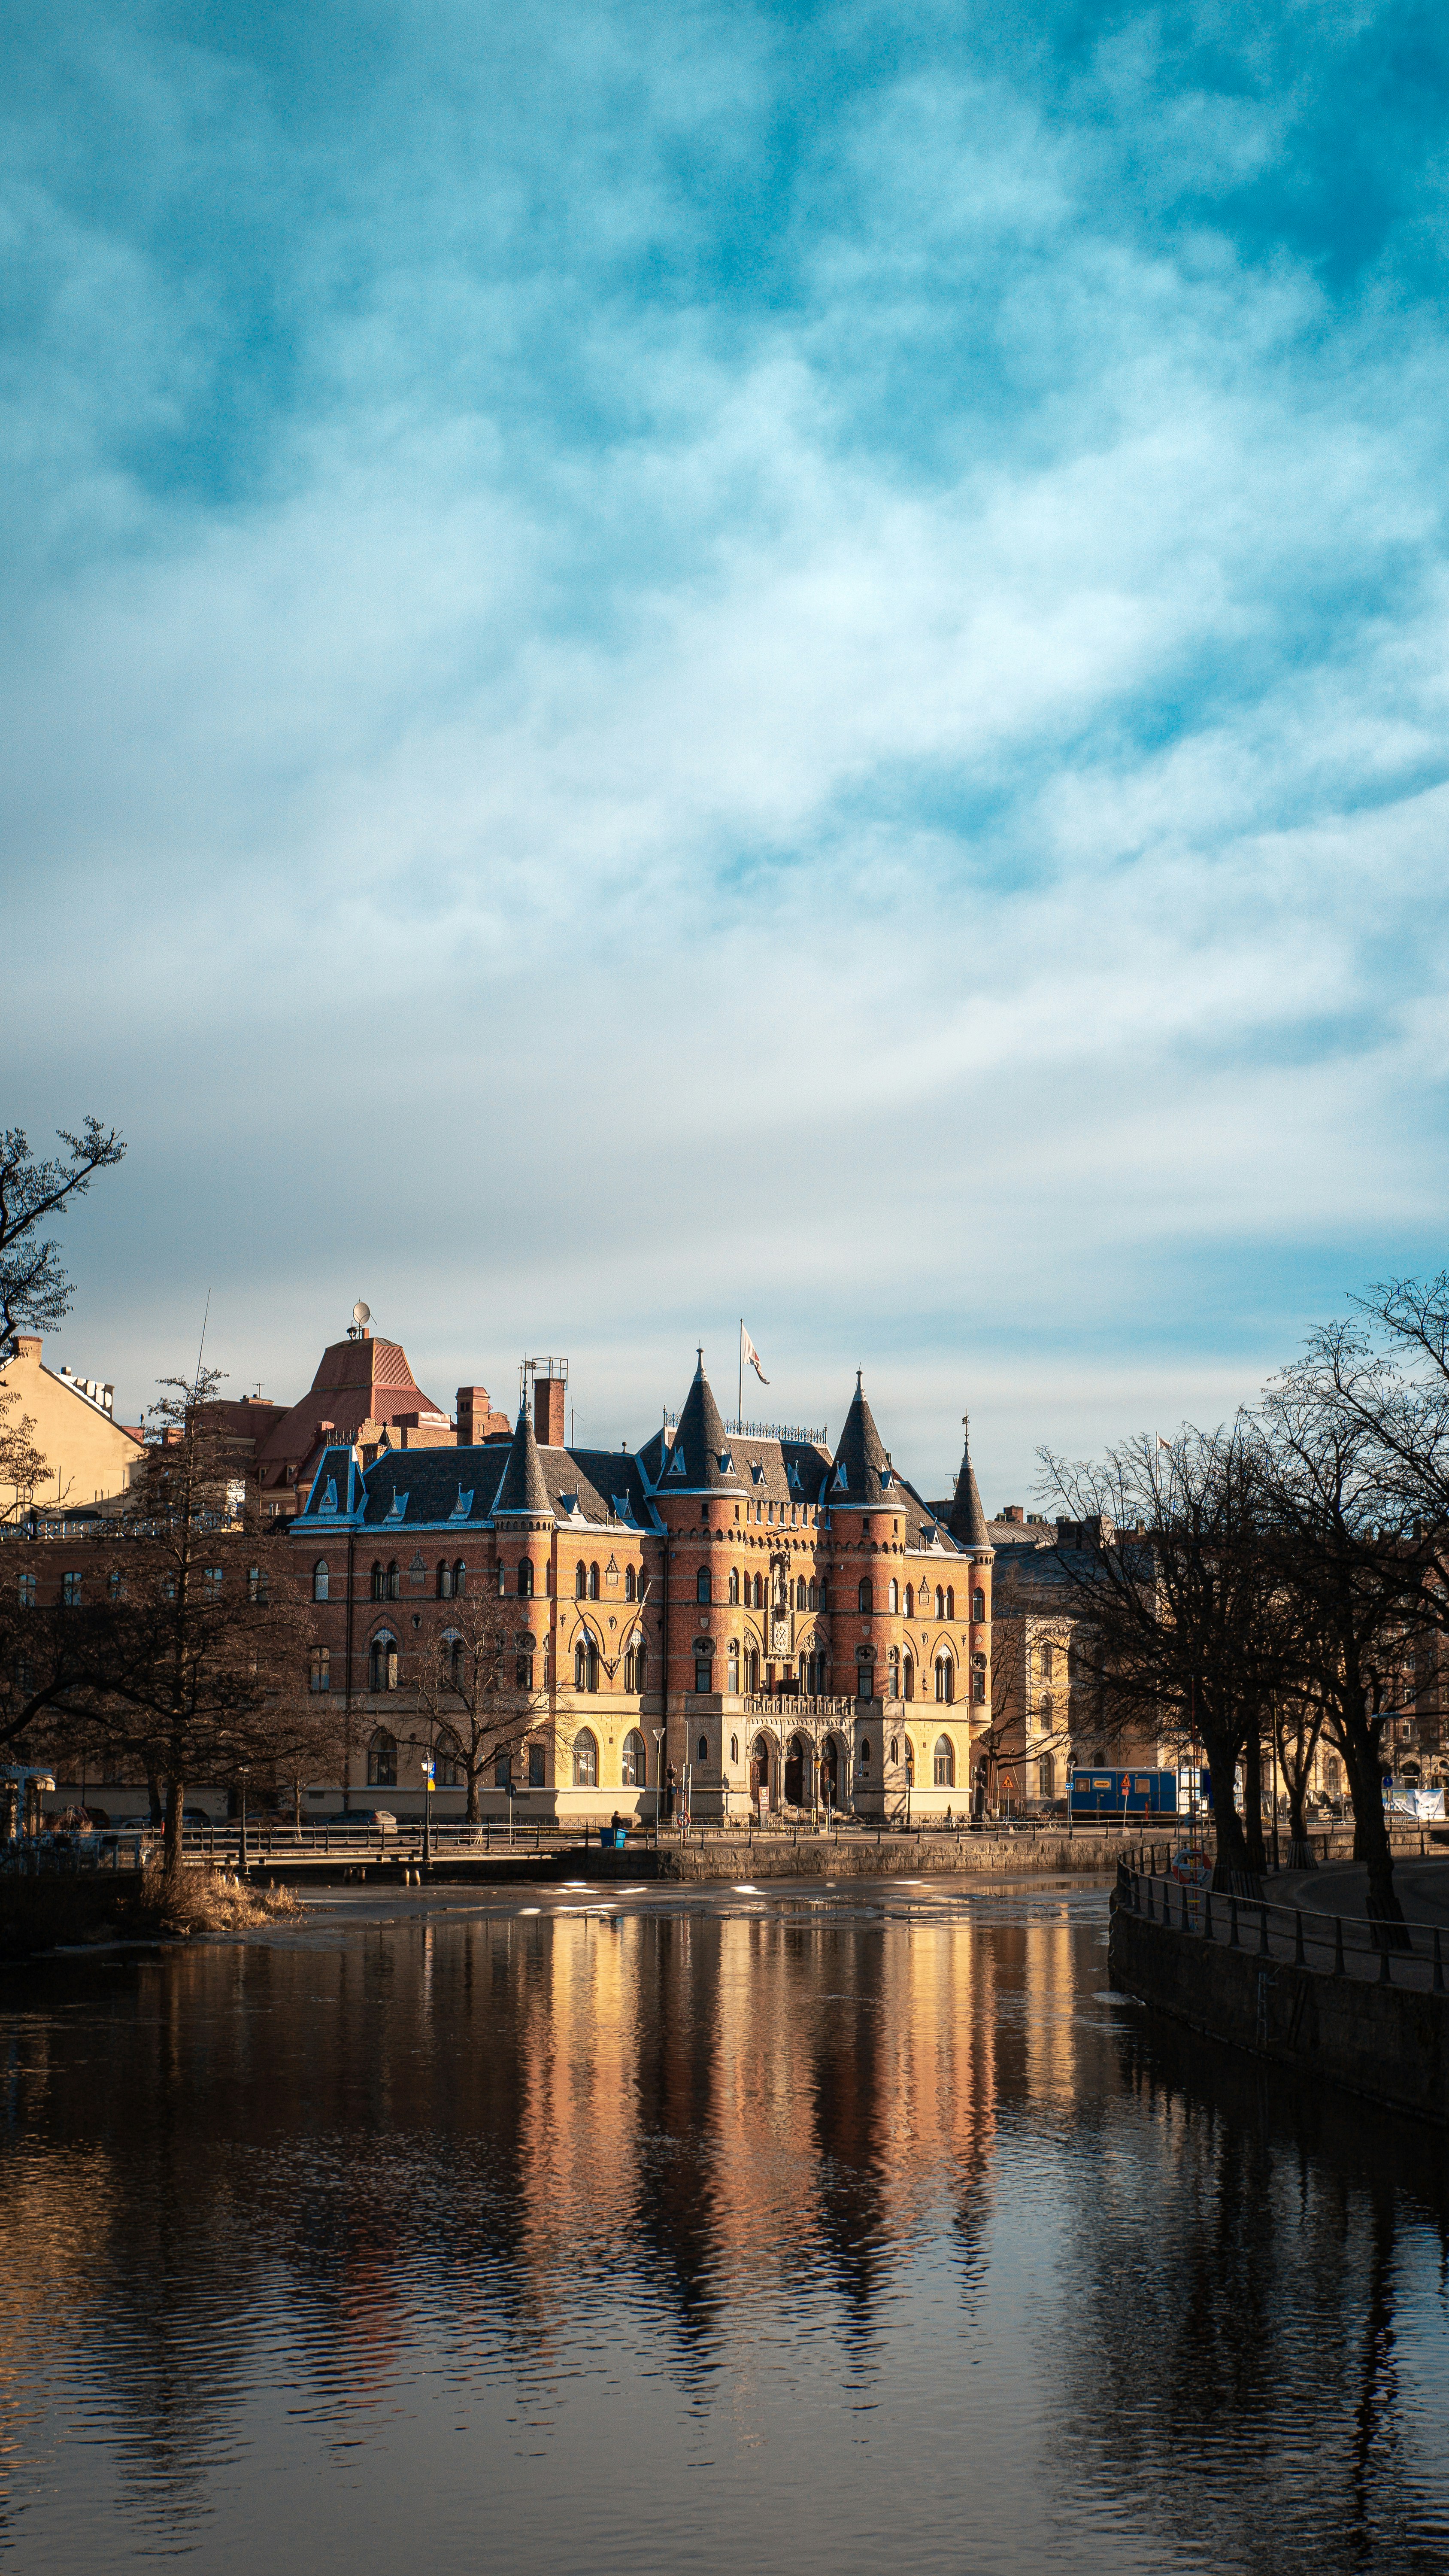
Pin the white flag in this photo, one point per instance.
(1163, 1444)
(749, 1352)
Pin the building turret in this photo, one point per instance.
(523, 1495)
(700, 1461)
(967, 1522)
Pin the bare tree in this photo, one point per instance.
(34, 1290)
(1179, 1629)
(477, 1692)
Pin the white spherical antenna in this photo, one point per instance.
(361, 1314)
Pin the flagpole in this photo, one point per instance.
(740, 1396)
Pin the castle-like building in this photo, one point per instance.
(732, 1615)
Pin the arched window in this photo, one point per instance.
(586, 1761)
(394, 1579)
(734, 1748)
(940, 1602)
(453, 1666)
(321, 1669)
(523, 1663)
(586, 1664)
(1046, 1713)
(978, 1605)
(894, 1684)
(759, 1592)
(382, 1760)
(1046, 1777)
(978, 1680)
(734, 1663)
(895, 1749)
(460, 1578)
(752, 1669)
(893, 1597)
(944, 1763)
(525, 1578)
(865, 1753)
(502, 1580)
(593, 1583)
(945, 1678)
(628, 1582)
(866, 1596)
(581, 1583)
(445, 1581)
(950, 1600)
(702, 1749)
(800, 1593)
(379, 1581)
(382, 1663)
(633, 1760)
(702, 1585)
(448, 1772)
(812, 1601)
(910, 1601)
(908, 1680)
(319, 1579)
(734, 1590)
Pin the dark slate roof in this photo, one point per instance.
(702, 1460)
(781, 1471)
(599, 1480)
(523, 1495)
(339, 1476)
(967, 1523)
(862, 1470)
(453, 1487)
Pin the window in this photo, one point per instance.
(634, 1665)
(382, 1761)
(910, 1601)
(940, 1603)
(632, 1764)
(382, 1664)
(950, 1601)
(908, 1681)
(448, 1763)
(1046, 1777)
(586, 1662)
(593, 1583)
(115, 1585)
(502, 1581)
(586, 1761)
(27, 1591)
(734, 1748)
(813, 1597)
(893, 1597)
(702, 1670)
(628, 1582)
(24, 1675)
(394, 1579)
(70, 1590)
(212, 1580)
(537, 1767)
(752, 1668)
(460, 1578)
(893, 1686)
(702, 1749)
(945, 1678)
(503, 1771)
(978, 1679)
(702, 1584)
(734, 1586)
(759, 1601)
(525, 1578)
(321, 1669)
(257, 1585)
(734, 1663)
(445, 1580)
(978, 1605)
(895, 1749)
(866, 1596)
(581, 1583)
(379, 1582)
(944, 1763)
(1046, 1714)
(865, 1753)
(523, 1665)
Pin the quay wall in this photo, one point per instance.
(1388, 2043)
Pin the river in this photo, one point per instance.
(800, 2230)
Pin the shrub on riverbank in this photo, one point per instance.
(45, 1912)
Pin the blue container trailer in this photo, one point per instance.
(1124, 1793)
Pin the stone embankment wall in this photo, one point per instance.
(1388, 2043)
(894, 1856)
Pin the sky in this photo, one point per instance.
(664, 665)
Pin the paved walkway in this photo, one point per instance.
(1326, 1899)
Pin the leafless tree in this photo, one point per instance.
(34, 1290)
(478, 1694)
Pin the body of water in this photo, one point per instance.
(833, 2230)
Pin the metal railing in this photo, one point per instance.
(1335, 1945)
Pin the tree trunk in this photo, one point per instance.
(1232, 1849)
(297, 1806)
(1300, 1850)
(1253, 1802)
(153, 1785)
(471, 1809)
(1371, 1837)
(171, 1847)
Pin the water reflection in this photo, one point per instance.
(802, 2234)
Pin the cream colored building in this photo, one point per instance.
(89, 1457)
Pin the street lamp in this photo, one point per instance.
(658, 1734)
(242, 1769)
(427, 1771)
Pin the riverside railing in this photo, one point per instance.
(1333, 1945)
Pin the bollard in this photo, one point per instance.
(1338, 1945)
(1263, 1931)
(1232, 1923)
(1298, 1958)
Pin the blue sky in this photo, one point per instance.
(671, 663)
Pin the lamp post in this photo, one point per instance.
(242, 1769)
(658, 1733)
(427, 1770)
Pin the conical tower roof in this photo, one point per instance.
(862, 1469)
(523, 1495)
(700, 1460)
(967, 1523)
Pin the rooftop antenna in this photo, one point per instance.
(361, 1318)
(201, 1345)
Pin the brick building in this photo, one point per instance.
(764, 1618)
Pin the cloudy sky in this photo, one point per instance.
(671, 663)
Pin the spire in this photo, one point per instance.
(861, 1463)
(700, 1462)
(967, 1523)
(523, 1495)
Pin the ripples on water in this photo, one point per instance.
(775, 2231)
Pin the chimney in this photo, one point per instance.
(548, 1411)
(1013, 1512)
(27, 1346)
(473, 1411)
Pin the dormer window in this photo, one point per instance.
(726, 1463)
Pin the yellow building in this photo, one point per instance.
(89, 1457)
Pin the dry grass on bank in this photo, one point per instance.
(204, 1900)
